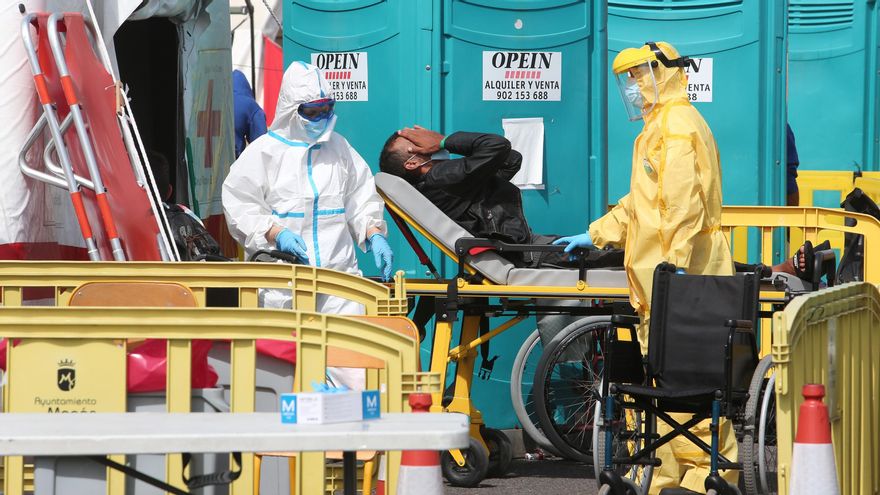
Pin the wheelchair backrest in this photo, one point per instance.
(688, 332)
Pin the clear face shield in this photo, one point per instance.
(638, 89)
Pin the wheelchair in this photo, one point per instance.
(702, 360)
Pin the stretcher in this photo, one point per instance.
(88, 125)
(488, 285)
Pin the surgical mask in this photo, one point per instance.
(436, 157)
(440, 155)
(633, 93)
(314, 129)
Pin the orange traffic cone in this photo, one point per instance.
(812, 462)
(380, 478)
(420, 469)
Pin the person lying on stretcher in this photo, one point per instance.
(475, 190)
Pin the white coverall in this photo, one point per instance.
(320, 189)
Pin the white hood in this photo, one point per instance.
(301, 83)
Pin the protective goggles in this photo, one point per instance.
(314, 111)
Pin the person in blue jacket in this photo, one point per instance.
(792, 193)
(250, 120)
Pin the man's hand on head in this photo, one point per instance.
(424, 141)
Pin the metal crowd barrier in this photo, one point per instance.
(61, 282)
(831, 337)
(306, 282)
(840, 182)
(745, 224)
(99, 330)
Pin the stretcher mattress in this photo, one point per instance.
(444, 231)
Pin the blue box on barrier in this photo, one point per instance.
(336, 407)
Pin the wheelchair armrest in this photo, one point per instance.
(739, 324)
(625, 320)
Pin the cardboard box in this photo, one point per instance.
(313, 408)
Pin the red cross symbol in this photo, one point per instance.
(209, 125)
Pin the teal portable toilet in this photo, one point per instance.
(534, 68)
(505, 60)
(833, 83)
(739, 90)
(472, 65)
(378, 56)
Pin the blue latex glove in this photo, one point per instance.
(293, 244)
(575, 241)
(382, 254)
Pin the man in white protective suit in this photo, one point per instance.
(302, 189)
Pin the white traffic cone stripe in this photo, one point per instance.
(420, 480)
(812, 460)
(812, 470)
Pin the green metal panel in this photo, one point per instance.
(833, 54)
(397, 41)
(746, 41)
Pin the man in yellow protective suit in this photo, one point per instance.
(672, 213)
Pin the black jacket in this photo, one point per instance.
(475, 190)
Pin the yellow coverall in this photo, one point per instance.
(672, 213)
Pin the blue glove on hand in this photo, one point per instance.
(293, 244)
(382, 254)
(575, 241)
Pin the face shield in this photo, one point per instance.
(638, 89)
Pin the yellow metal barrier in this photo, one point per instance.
(812, 223)
(830, 337)
(739, 222)
(314, 333)
(305, 281)
(841, 182)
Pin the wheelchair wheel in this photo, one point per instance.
(500, 452)
(522, 390)
(570, 371)
(476, 466)
(758, 451)
(631, 432)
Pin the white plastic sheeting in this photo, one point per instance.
(33, 218)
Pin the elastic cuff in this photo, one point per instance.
(443, 143)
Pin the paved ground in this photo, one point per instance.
(546, 477)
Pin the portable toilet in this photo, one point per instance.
(833, 83)
(739, 88)
(395, 63)
(537, 69)
(379, 58)
(514, 69)
(535, 72)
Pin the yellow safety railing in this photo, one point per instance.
(830, 337)
(305, 281)
(841, 182)
(739, 223)
(74, 327)
(71, 279)
(811, 223)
